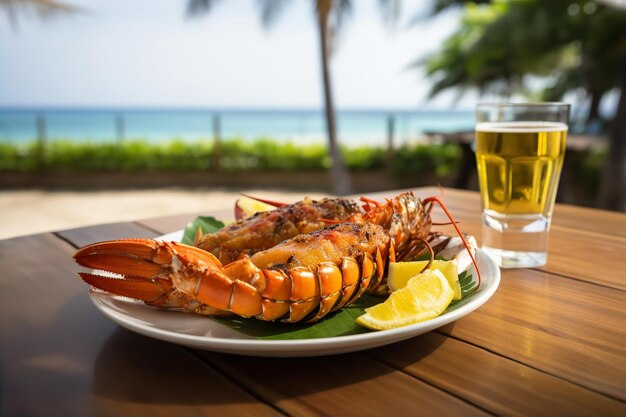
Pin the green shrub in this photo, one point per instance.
(236, 154)
(10, 158)
(364, 158)
(268, 155)
(587, 170)
(441, 160)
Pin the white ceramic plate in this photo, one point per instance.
(203, 333)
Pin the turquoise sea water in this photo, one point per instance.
(355, 127)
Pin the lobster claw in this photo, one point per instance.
(138, 289)
(145, 267)
(129, 257)
(167, 274)
(138, 261)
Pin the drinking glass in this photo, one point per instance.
(519, 152)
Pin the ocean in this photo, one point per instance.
(355, 127)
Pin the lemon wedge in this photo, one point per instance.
(401, 272)
(425, 296)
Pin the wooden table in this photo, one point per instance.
(551, 341)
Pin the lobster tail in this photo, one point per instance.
(302, 279)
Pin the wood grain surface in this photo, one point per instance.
(550, 342)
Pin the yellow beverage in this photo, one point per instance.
(519, 164)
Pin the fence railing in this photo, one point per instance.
(353, 126)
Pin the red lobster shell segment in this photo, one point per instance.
(301, 279)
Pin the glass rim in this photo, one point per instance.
(524, 104)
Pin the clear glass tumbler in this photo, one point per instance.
(519, 152)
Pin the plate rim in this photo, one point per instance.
(298, 347)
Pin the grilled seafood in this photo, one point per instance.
(303, 278)
(266, 229)
(405, 218)
(300, 279)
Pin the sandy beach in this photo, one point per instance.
(26, 212)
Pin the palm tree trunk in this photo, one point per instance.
(339, 175)
(613, 186)
(594, 108)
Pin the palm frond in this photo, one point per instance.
(390, 11)
(199, 7)
(270, 10)
(42, 8)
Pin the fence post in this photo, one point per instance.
(120, 128)
(42, 136)
(391, 127)
(217, 142)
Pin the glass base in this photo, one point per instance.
(516, 259)
(516, 241)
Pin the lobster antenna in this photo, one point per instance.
(438, 201)
(443, 223)
(270, 202)
(432, 254)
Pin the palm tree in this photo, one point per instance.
(494, 49)
(329, 16)
(498, 45)
(340, 176)
(43, 8)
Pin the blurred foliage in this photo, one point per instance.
(43, 8)
(236, 155)
(570, 44)
(544, 50)
(441, 160)
(263, 155)
(587, 172)
(364, 158)
(267, 155)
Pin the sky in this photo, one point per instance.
(147, 53)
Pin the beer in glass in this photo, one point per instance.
(519, 153)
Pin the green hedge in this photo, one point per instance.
(588, 171)
(441, 160)
(235, 155)
(261, 155)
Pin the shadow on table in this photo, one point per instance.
(132, 367)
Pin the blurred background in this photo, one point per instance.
(343, 96)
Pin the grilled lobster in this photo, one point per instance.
(300, 279)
